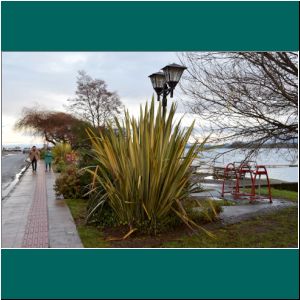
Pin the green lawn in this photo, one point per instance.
(276, 229)
(281, 194)
(91, 236)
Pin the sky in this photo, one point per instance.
(48, 79)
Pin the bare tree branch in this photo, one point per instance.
(246, 97)
(93, 102)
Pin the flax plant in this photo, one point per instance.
(143, 167)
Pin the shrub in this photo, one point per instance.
(143, 169)
(42, 153)
(85, 158)
(68, 183)
(60, 151)
(72, 183)
(201, 212)
(60, 166)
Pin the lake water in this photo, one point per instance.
(272, 158)
(13, 164)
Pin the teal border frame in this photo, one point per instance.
(150, 26)
(150, 274)
(157, 273)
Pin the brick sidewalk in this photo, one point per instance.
(36, 230)
(32, 216)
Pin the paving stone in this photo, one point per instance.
(32, 217)
(36, 229)
(243, 210)
(62, 229)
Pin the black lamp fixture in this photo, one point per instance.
(165, 82)
(158, 81)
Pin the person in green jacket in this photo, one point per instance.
(48, 159)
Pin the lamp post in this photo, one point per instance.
(165, 82)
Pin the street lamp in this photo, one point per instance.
(158, 82)
(165, 82)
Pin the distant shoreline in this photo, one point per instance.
(253, 146)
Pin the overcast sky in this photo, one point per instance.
(49, 79)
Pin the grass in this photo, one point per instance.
(281, 194)
(91, 236)
(273, 230)
(226, 202)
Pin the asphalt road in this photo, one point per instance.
(12, 163)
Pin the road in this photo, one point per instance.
(12, 164)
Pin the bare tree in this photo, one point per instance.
(250, 98)
(93, 102)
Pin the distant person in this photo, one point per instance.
(34, 156)
(48, 159)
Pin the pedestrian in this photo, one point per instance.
(34, 156)
(48, 159)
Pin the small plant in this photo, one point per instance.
(202, 211)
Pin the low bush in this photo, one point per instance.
(60, 152)
(72, 183)
(201, 212)
(60, 166)
(68, 183)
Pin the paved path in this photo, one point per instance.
(62, 229)
(243, 210)
(11, 164)
(36, 230)
(32, 217)
(238, 213)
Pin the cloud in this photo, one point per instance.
(49, 78)
(11, 137)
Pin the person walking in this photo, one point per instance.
(34, 156)
(48, 159)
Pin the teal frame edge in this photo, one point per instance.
(152, 274)
(150, 26)
(157, 273)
